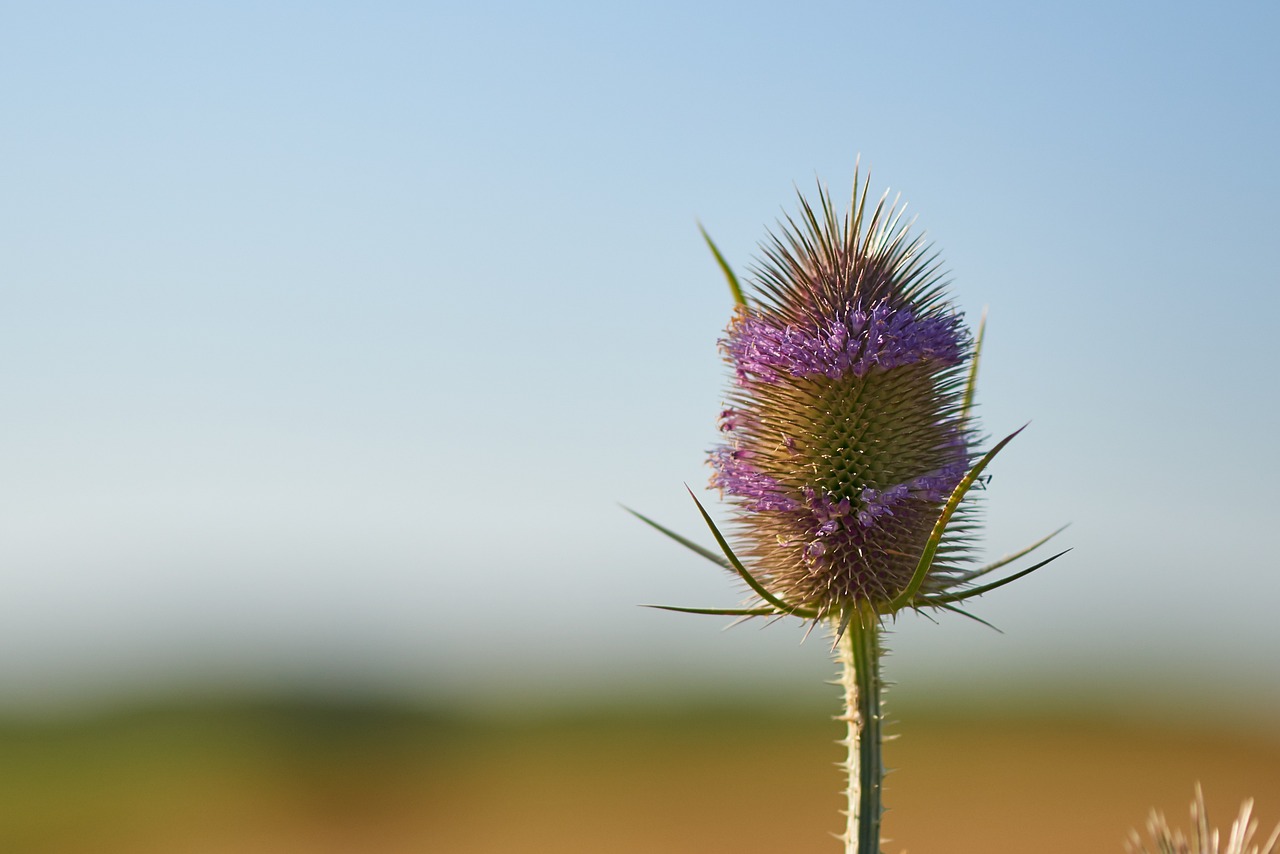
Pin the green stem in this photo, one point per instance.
(860, 651)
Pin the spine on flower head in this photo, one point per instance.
(843, 426)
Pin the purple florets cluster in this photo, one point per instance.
(880, 338)
(938, 485)
(829, 521)
(933, 488)
(880, 502)
(838, 524)
(733, 474)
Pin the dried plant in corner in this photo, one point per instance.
(1204, 840)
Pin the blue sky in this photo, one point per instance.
(330, 337)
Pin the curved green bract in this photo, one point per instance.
(1008, 559)
(742, 570)
(718, 560)
(971, 386)
(904, 599)
(943, 599)
(734, 287)
(963, 613)
(719, 612)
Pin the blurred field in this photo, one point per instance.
(286, 777)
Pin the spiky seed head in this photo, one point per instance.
(845, 425)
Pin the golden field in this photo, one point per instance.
(369, 778)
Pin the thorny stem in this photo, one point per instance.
(859, 653)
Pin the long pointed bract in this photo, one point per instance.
(742, 570)
(721, 612)
(904, 598)
(971, 385)
(718, 560)
(1010, 558)
(944, 598)
(734, 287)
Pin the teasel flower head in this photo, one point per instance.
(845, 428)
(1203, 839)
(849, 445)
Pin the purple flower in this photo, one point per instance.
(757, 491)
(845, 420)
(858, 343)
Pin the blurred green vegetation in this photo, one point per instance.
(309, 775)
